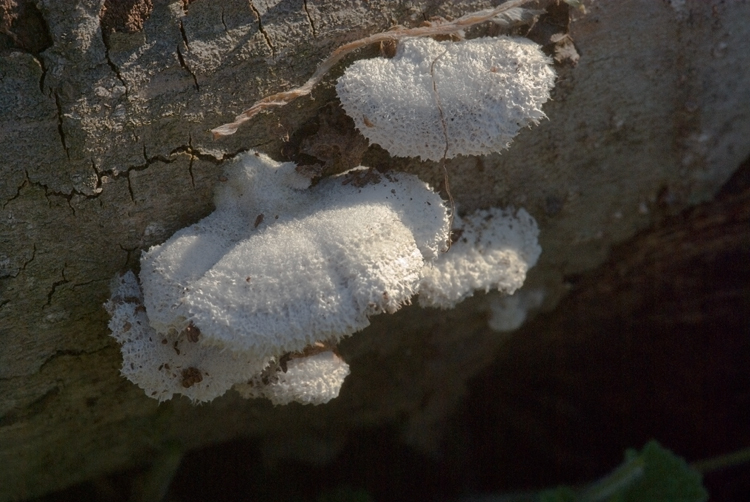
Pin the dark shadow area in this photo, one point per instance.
(653, 344)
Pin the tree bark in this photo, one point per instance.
(105, 109)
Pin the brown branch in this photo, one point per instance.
(283, 98)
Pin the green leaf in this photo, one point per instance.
(559, 494)
(653, 475)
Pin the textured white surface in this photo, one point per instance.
(279, 266)
(508, 313)
(314, 379)
(494, 250)
(167, 364)
(476, 95)
(276, 268)
(317, 265)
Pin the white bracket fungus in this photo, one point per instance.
(256, 294)
(172, 362)
(275, 269)
(503, 14)
(314, 379)
(177, 363)
(493, 249)
(437, 100)
(508, 313)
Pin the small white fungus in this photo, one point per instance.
(315, 379)
(493, 249)
(177, 363)
(436, 99)
(164, 364)
(508, 313)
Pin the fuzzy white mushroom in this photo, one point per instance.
(443, 99)
(177, 363)
(240, 298)
(315, 379)
(276, 268)
(172, 362)
(493, 249)
(508, 313)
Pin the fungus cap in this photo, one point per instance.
(165, 364)
(435, 99)
(314, 379)
(313, 267)
(494, 249)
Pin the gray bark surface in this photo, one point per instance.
(107, 152)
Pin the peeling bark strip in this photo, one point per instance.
(286, 97)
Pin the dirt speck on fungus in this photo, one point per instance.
(192, 333)
(191, 376)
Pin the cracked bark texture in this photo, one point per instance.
(107, 152)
